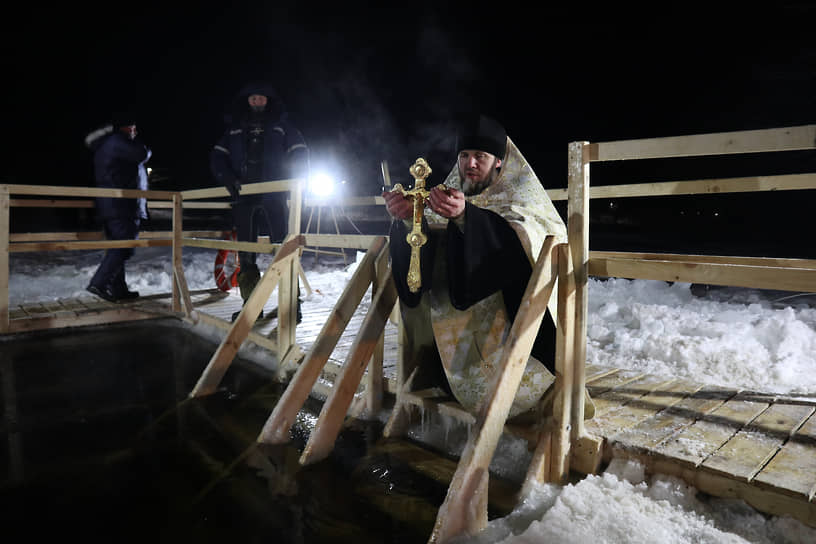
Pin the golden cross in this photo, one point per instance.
(416, 238)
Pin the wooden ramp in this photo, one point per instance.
(757, 447)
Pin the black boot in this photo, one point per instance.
(102, 292)
(120, 288)
(274, 313)
(236, 314)
(248, 278)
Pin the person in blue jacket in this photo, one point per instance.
(260, 144)
(119, 163)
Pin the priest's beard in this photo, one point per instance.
(475, 187)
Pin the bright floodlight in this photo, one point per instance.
(321, 184)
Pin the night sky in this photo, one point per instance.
(366, 84)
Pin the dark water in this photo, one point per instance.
(100, 443)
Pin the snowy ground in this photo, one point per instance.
(758, 340)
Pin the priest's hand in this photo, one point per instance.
(397, 205)
(447, 202)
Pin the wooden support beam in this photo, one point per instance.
(27, 247)
(374, 377)
(550, 462)
(246, 189)
(464, 511)
(758, 277)
(540, 466)
(787, 182)
(288, 292)
(345, 201)
(57, 190)
(104, 316)
(302, 275)
(334, 410)
(157, 204)
(99, 235)
(4, 258)
(578, 232)
(180, 284)
(250, 247)
(50, 203)
(222, 359)
(177, 272)
(564, 369)
(398, 420)
(276, 428)
(287, 315)
(706, 259)
(259, 339)
(585, 450)
(353, 241)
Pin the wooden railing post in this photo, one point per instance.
(5, 225)
(585, 450)
(550, 461)
(180, 290)
(295, 205)
(288, 288)
(578, 231)
(177, 247)
(287, 310)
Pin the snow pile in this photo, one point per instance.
(623, 506)
(663, 329)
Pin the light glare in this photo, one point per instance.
(321, 184)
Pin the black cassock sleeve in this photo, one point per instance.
(488, 257)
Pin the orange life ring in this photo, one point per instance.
(227, 267)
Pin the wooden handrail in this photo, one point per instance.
(720, 143)
(57, 190)
(706, 259)
(736, 275)
(277, 186)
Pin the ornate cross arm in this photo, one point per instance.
(416, 238)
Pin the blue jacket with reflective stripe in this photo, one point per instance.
(285, 153)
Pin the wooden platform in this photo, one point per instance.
(725, 442)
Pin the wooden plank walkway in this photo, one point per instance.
(757, 447)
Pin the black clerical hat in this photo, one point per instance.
(483, 133)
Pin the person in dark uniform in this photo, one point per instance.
(260, 144)
(119, 163)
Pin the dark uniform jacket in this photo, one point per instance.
(284, 155)
(118, 164)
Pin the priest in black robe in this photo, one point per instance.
(485, 225)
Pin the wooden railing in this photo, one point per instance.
(752, 272)
(563, 443)
(49, 197)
